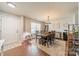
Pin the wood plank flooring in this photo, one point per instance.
(25, 50)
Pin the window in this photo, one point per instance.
(35, 27)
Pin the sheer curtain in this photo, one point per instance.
(0, 26)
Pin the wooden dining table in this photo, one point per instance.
(44, 35)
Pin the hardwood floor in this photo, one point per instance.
(25, 50)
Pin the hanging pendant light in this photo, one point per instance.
(48, 22)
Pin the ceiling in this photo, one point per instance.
(40, 10)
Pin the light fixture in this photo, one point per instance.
(48, 22)
(11, 5)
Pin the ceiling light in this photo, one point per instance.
(11, 5)
(48, 22)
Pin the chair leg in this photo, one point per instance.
(47, 44)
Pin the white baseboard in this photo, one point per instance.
(11, 45)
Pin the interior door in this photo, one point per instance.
(9, 28)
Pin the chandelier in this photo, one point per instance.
(48, 21)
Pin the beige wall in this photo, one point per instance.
(27, 24)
